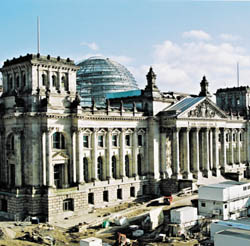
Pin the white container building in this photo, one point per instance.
(227, 200)
(232, 237)
(183, 215)
(91, 241)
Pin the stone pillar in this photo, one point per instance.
(80, 157)
(211, 149)
(135, 153)
(121, 153)
(231, 146)
(74, 144)
(44, 158)
(216, 168)
(18, 166)
(224, 149)
(49, 166)
(176, 154)
(238, 159)
(205, 140)
(186, 164)
(196, 153)
(94, 154)
(109, 154)
(163, 161)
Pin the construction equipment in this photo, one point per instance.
(121, 240)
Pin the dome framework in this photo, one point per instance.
(98, 76)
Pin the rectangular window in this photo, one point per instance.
(119, 193)
(114, 140)
(244, 188)
(127, 140)
(68, 205)
(85, 141)
(225, 205)
(105, 196)
(100, 141)
(91, 198)
(203, 204)
(3, 205)
(139, 140)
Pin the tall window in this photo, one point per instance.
(44, 80)
(23, 79)
(139, 166)
(127, 140)
(85, 141)
(85, 169)
(127, 165)
(58, 169)
(17, 81)
(139, 140)
(54, 81)
(58, 141)
(100, 168)
(100, 141)
(10, 142)
(114, 140)
(10, 82)
(114, 167)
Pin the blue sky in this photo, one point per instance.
(182, 40)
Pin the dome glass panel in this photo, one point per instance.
(98, 76)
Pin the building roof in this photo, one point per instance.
(184, 104)
(225, 184)
(124, 94)
(239, 224)
(239, 233)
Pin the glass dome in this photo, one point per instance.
(98, 76)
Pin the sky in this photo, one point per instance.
(182, 40)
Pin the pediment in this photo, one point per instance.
(60, 156)
(204, 109)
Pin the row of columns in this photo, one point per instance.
(195, 151)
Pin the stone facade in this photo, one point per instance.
(60, 159)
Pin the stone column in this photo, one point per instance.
(135, 153)
(44, 157)
(231, 147)
(94, 154)
(196, 153)
(216, 168)
(163, 167)
(74, 144)
(18, 166)
(211, 149)
(80, 157)
(49, 166)
(176, 154)
(121, 153)
(224, 149)
(109, 154)
(205, 141)
(188, 174)
(238, 159)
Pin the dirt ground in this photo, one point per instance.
(18, 234)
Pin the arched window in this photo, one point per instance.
(10, 142)
(99, 168)
(17, 81)
(23, 79)
(10, 83)
(53, 80)
(85, 169)
(127, 165)
(44, 80)
(139, 167)
(58, 141)
(114, 167)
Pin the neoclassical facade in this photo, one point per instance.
(59, 159)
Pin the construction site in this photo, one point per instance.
(144, 222)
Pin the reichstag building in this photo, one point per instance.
(62, 157)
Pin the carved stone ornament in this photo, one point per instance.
(203, 111)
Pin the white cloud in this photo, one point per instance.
(180, 67)
(197, 34)
(92, 46)
(229, 37)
